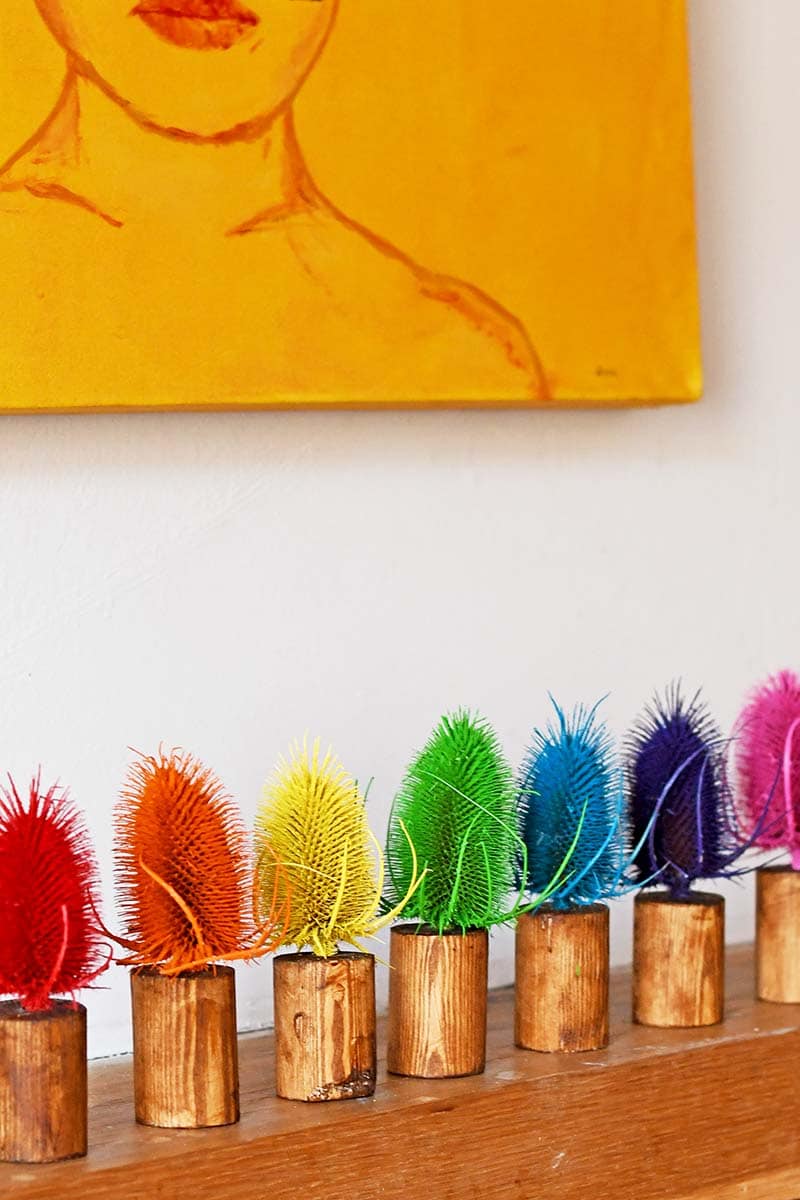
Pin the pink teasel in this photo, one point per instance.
(768, 763)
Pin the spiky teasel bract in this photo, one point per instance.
(50, 943)
(571, 783)
(184, 870)
(456, 807)
(768, 764)
(313, 815)
(681, 810)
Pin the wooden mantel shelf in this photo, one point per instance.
(681, 1115)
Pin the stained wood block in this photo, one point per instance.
(778, 934)
(678, 960)
(325, 1026)
(185, 1053)
(43, 1083)
(437, 1002)
(561, 995)
(666, 1114)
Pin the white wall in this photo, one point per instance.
(225, 582)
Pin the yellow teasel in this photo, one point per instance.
(312, 821)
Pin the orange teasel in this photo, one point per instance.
(184, 871)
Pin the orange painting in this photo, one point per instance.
(363, 203)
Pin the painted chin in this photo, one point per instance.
(197, 24)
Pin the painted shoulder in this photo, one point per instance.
(446, 319)
(496, 324)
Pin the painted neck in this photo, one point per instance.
(129, 174)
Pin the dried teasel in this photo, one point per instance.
(768, 764)
(681, 808)
(184, 871)
(572, 809)
(50, 941)
(455, 812)
(313, 816)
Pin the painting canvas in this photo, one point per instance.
(254, 203)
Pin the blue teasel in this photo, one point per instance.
(571, 790)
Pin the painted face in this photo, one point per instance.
(205, 68)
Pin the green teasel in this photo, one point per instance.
(457, 807)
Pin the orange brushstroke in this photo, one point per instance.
(184, 871)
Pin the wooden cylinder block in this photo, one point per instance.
(778, 934)
(561, 999)
(185, 1057)
(678, 960)
(43, 1078)
(325, 1026)
(437, 1002)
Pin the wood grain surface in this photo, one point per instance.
(185, 1061)
(778, 934)
(678, 960)
(776, 1185)
(437, 1002)
(662, 1114)
(43, 1083)
(325, 1026)
(562, 979)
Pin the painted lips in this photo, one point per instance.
(197, 24)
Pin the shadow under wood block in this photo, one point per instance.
(185, 1054)
(778, 934)
(678, 960)
(43, 1083)
(437, 1002)
(325, 1047)
(562, 967)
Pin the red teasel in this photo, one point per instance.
(185, 874)
(50, 939)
